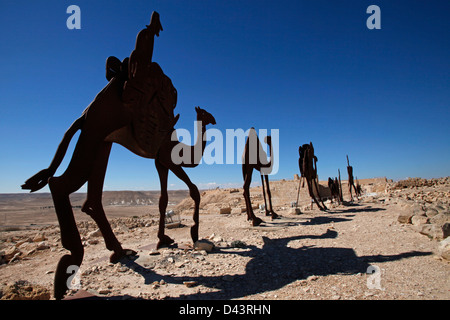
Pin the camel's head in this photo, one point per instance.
(204, 116)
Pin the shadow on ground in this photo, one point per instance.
(274, 266)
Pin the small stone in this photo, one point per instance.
(446, 229)
(190, 284)
(228, 278)
(154, 252)
(104, 291)
(312, 278)
(238, 244)
(204, 244)
(39, 237)
(94, 234)
(226, 210)
(43, 246)
(405, 217)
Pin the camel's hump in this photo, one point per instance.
(153, 115)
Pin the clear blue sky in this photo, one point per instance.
(311, 69)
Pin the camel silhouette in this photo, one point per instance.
(254, 157)
(141, 121)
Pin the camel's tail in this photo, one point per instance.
(40, 179)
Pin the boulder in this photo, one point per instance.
(431, 212)
(444, 248)
(432, 231)
(419, 220)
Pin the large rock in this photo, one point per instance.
(432, 231)
(439, 219)
(444, 248)
(431, 212)
(419, 220)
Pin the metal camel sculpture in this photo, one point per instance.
(141, 121)
(308, 170)
(333, 185)
(254, 157)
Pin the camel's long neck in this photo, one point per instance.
(200, 142)
(199, 147)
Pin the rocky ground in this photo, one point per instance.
(390, 244)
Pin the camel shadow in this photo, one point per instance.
(323, 220)
(275, 265)
(357, 208)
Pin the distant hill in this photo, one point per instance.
(20, 201)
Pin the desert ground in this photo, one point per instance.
(390, 243)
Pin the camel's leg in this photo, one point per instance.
(251, 216)
(264, 195)
(163, 173)
(195, 195)
(350, 190)
(70, 237)
(318, 193)
(274, 215)
(61, 187)
(356, 192)
(311, 193)
(93, 204)
(247, 203)
(298, 192)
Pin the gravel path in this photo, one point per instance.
(353, 251)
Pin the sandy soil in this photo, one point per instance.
(355, 250)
